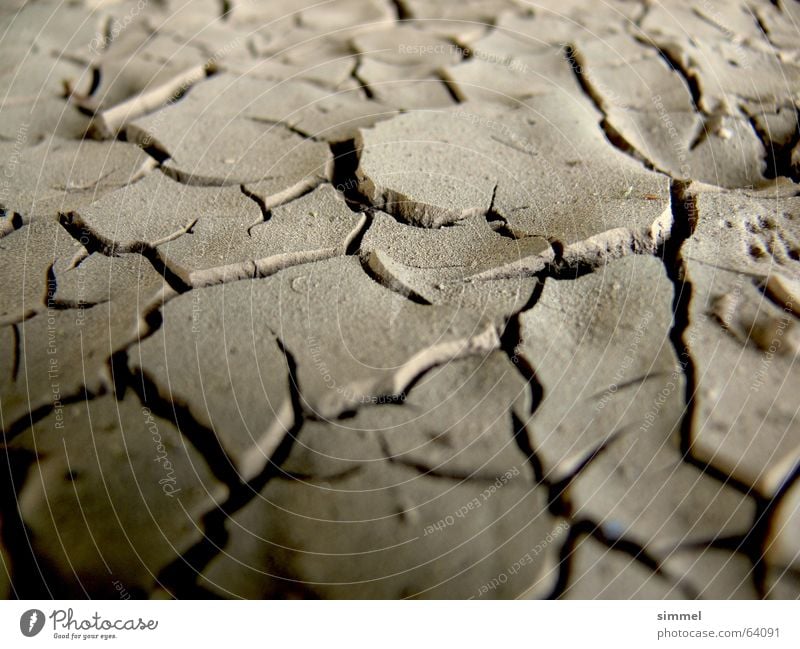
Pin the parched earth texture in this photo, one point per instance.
(400, 299)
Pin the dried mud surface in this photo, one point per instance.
(400, 299)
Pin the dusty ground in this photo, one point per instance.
(423, 298)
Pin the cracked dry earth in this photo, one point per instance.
(424, 298)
